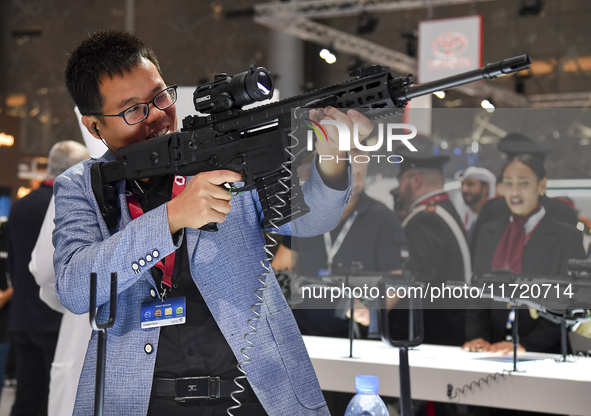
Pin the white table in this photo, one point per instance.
(543, 386)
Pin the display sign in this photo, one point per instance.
(448, 47)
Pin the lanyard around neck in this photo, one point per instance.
(135, 210)
(333, 249)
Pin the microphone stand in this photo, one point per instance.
(101, 355)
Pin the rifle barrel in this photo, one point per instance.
(490, 71)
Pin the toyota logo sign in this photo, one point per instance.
(449, 45)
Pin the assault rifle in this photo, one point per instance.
(258, 142)
(561, 300)
(550, 295)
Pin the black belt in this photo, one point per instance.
(199, 388)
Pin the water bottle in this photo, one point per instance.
(366, 402)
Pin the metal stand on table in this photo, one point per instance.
(515, 337)
(415, 334)
(565, 302)
(101, 355)
(353, 277)
(356, 268)
(351, 322)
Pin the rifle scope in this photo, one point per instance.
(227, 93)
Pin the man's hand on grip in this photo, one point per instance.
(202, 201)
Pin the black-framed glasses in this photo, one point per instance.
(139, 112)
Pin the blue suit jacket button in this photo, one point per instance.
(148, 348)
(135, 267)
(149, 257)
(152, 293)
(142, 262)
(155, 253)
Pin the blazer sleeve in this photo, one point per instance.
(83, 243)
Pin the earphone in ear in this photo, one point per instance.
(96, 130)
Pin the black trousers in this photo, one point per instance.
(34, 353)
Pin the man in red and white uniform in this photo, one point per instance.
(437, 245)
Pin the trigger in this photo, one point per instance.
(231, 188)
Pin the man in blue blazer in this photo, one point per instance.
(188, 368)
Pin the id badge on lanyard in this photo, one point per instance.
(165, 311)
(170, 312)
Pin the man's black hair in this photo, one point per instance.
(102, 54)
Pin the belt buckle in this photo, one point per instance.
(197, 385)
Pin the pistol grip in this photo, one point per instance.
(212, 226)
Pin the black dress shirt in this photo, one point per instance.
(197, 347)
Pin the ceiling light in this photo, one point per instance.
(488, 106)
(329, 56)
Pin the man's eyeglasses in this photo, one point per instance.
(139, 112)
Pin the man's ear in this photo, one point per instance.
(416, 180)
(90, 122)
(543, 185)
